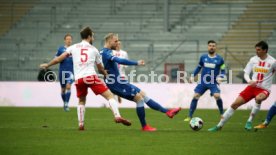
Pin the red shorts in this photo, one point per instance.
(251, 92)
(93, 82)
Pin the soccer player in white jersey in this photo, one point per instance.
(263, 67)
(122, 68)
(85, 55)
(121, 54)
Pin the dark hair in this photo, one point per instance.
(211, 41)
(66, 35)
(85, 32)
(263, 45)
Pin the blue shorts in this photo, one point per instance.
(126, 91)
(201, 88)
(67, 79)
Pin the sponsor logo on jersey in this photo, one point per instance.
(261, 70)
(209, 65)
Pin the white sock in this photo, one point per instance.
(81, 112)
(256, 108)
(114, 107)
(225, 117)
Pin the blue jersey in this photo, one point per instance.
(211, 67)
(66, 64)
(111, 62)
(109, 65)
(121, 88)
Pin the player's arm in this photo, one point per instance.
(196, 71)
(128, 62)
(101, 69)
(247, 70)
(99, 64)
(56, 60)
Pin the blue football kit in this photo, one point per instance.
(212, 67)
(65, 68)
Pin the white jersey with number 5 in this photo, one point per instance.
(84, 57)
(263, 71)
(121, 54)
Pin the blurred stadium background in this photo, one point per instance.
(170, 35)
(163, 32)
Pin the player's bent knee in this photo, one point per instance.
(138, 97)
(260, 98)
(143, 94)
(82, 100)
(68, 87)
(107, 94)
(217, 96)
(197, 96)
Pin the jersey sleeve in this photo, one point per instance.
(59, 52)
(200, 63)
(124, 61)
(107, 55)
(249, 67)
(198, 68)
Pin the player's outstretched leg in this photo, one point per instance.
(140, 110)
(228, 113)
(259, 98)
(270, 115)
(114, 108)
(156, 106)
(254, 111)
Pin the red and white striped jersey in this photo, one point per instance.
(263, 71)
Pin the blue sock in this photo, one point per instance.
(193, 107)
(154, 105)
(220, 106)
(63, 97)
(67, 96)
(270, 114)
(140, 110)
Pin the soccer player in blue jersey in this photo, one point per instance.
(213, 72)
(269, 116)
(66, 76)
(123, 88)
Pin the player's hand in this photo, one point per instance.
(44, 66)
(141, 62)
(252, 83)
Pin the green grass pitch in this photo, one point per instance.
(50, 131)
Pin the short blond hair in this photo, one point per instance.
(109, 36)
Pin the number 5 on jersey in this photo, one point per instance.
(84, 55)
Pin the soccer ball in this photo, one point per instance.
(196, 123)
